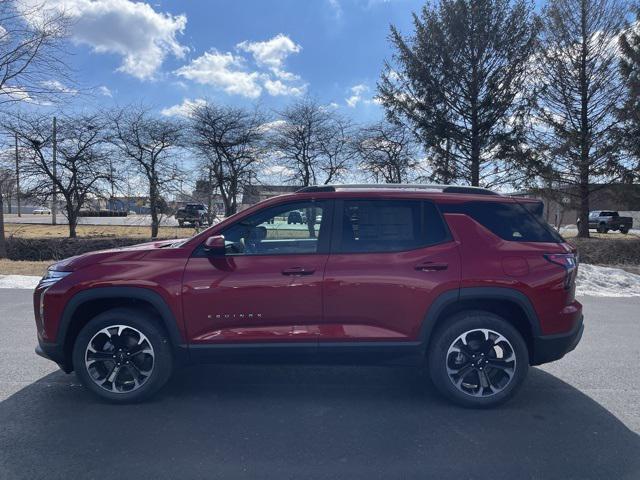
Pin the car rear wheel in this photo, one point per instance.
(123, 355)
(624, 230)
(477, 359)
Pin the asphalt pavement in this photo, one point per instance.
(576, 418)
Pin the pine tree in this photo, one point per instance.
(630, 113)
(576, 122)
(459, 83)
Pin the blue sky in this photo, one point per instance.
(239, 52)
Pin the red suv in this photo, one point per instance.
(474, 283)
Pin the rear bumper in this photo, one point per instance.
(548, 348)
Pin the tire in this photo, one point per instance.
(180, 223)
(472, 391)
(156, 362)
(624, 230)
(602, 228)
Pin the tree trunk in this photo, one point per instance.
(153, 207)
(3, 243)
(72, 217)
(210, 212)
(583, 170)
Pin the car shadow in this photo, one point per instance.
(310, 422)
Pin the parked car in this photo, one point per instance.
(605, 220)
(471, 283)
(42, 211)
(195, 214)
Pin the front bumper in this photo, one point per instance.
(55, 353)
(548, 348)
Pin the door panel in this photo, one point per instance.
(267, 287)
(392, 259)
(236, 298)
(384, 296)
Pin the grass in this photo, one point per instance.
(609, 249)
(25, 230)
(11, 267)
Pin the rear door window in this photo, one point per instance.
(378, 226)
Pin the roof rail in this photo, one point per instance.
(399, 186)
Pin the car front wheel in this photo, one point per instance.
(477, 359)
(123, 355)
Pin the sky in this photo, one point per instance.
(170, 54)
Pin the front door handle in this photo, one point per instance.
(297, 271)
(432, 266)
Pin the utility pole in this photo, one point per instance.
(54, 203)
(18, 178)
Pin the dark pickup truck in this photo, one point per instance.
(605, 220)
(195, 214)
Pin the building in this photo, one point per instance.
(139, 205)
(253, 194)
(561, 203)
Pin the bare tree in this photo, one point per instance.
(82, 160)
(313, 142)
(232, 140)
(387, 151)
(148, 144)
(32, 52)
(575, 126)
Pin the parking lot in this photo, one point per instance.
(576, 418)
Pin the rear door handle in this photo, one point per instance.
(297, 271)
(432, 266)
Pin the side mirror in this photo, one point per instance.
(215, 244)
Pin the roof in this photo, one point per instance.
(399, 187)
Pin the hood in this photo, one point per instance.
(132, 252)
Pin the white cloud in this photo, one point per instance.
(271, 53)
(184, 109)
(356, 97)
(223, 70)
(277, 87)
(271, 126)
(15, 93)
(336, 7)
(142, 36)
(105, 91)
(58, 86)
(229, 72)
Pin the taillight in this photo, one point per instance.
(569, 261)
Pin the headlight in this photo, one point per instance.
(51, 277)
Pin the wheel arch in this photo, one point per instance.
(508, 303)
(87, 304)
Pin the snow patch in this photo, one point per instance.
(600, 281)
(19, 281)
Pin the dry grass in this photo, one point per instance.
(617, 250)
(570, 234)
(24, 230)
(11, 267)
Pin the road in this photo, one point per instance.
(132, 220)
(576, 418)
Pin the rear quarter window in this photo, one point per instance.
(509, 221)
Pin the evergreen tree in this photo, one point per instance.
(459, 83)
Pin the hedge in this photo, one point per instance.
(608, 251)
(60, 248)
